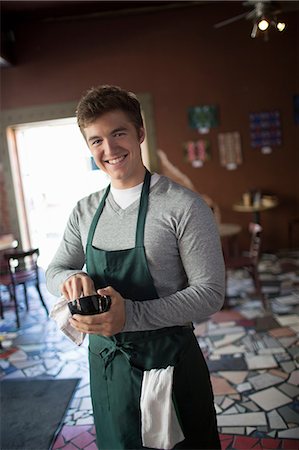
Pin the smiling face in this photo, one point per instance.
(115, 146)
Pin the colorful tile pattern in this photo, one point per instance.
(253, 358)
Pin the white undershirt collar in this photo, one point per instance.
(125, 197)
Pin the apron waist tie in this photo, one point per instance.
(108, 354)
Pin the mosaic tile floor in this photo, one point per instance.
(253, 359)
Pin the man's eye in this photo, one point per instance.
(96, 142)
(119, 134)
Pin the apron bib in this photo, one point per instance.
(118, 363)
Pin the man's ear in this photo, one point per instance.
(141, 135)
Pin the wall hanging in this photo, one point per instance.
(265, 130)
(204, 117)
(230, 152)
(197, 152)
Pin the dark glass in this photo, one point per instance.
(91, 304)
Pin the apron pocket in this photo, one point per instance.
(160, 427)
(98, 382)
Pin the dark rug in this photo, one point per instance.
(32, 411)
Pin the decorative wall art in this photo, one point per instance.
(296, 109)
(93, 164)
(197, 152)
(265, 130)
(230, 152)
(203, 118)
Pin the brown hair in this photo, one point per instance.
(102, 99)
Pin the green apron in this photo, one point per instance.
(117, 363)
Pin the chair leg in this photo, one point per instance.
(258, 286)
(41, 297)
(14, 298)
(26, 296)
(1, 307)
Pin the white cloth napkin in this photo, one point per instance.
(61, 314)
(160, 427)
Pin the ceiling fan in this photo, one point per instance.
(263, 13)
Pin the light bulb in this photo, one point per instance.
(263, 24)
(281, 26)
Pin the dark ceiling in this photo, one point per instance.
(14, 13)
(17, 13)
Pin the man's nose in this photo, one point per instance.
(109, 145)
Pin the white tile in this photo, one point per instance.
(288, 299)
(15, 374)
(251, 406)
(86, 421)
(289, 389)
(243, 387)
(276, 421)
(233, 430)
(228, 339)
(232, 410)
(217, 408)
(247, 419)
(292, 433)
(260, 362)
(271, 351)
(294, 378)
(227, 403)
(86, 403)
(289, 319)
(230, 350)
(25, 364)
(264, 380)
(241, 409)
(35, 371)
(270, 398)
(234, 376)
(288, 366)
(287, 341)
(227, 330)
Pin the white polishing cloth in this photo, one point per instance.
(160, 427)
(61, 314)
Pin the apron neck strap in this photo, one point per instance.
(97, 216)
(139, 240)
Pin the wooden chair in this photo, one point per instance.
(249, 261)
(22, 269)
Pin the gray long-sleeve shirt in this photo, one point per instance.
(182, 247)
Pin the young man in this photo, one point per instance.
(153, 247)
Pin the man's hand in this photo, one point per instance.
(106, 324)
(76, 286)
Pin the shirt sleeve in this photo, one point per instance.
(201, 255)
(69, 258)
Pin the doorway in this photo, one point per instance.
(56, 170)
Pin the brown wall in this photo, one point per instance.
(182, 61)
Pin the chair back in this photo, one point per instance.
(255, 244)
(22, 265)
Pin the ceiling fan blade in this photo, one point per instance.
(231, 20)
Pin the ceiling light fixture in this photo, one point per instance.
(280, 26)
(263, 24)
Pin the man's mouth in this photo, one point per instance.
(116, 160)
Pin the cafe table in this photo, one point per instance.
(266, 203)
